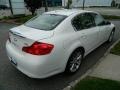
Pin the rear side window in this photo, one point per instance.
(45, 21)
(83, 21)
(77, 22)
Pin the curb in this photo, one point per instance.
(72, 84)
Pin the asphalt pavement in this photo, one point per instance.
(12, 79)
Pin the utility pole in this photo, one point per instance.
(64, 3)
(11, 7)
(46, 6)
(69, 3)
(83, 4)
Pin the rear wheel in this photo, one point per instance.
(74, 62)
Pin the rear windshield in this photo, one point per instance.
(45, 21)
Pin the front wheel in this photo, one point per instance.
(74, 62)
(111, 36)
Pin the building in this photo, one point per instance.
(79, 3)
(54, 3)
(4, 2)
(116, 3)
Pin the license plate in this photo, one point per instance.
(13, 62)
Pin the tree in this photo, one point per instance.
(11, 7)
(113, 4)
(33, 5)
(69, 3)
(83, 4)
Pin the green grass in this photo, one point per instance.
(116, 49)
(111, 17)
(91, 83)
(13, 17)
(18, 18)
(23, 19)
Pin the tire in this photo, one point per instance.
(110, 39)
(74, 62)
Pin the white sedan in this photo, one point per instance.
(56, 41)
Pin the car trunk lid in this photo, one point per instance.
(25, 36)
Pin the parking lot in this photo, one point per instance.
(12, 79)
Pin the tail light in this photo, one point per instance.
(38, 48)
(9, 37)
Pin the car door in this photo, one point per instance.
(86, 31)
(103, 27)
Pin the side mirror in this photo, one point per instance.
(104, 23)
(107, 22)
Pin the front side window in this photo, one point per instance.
(98, 19)
(83, 21)
(88, 21)
(45, 21)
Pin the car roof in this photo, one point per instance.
(67, 12)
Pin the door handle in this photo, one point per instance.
(83, 36)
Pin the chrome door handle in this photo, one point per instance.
(84, 36)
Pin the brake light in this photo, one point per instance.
(38, 48)
(9, 37)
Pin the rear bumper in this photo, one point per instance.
(31, 65)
